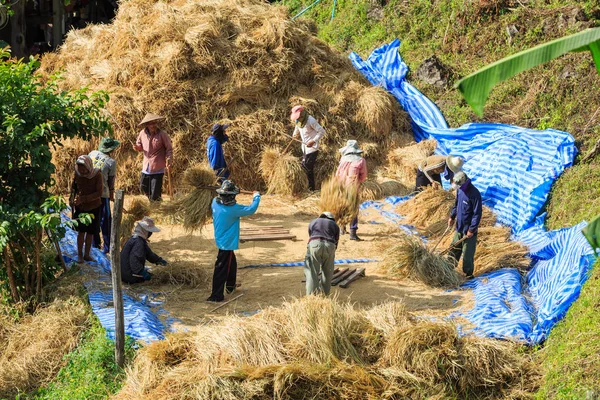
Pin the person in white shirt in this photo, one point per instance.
(310, 132)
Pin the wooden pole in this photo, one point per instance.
(170, 184)
(38, 264)
(115, 250)
(58, 12)
(18, 29)
(227, 302)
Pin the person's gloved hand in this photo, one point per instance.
(146, 275)
(162, 261)
(256, 194)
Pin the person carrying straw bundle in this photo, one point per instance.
(136, 252)
(310, 132)
(430, 169)
(352, 170)
(226, 222)
(214, 151)
(86, 198)
(108, 167)
(158, 155)
(467, 213)
(324, 235)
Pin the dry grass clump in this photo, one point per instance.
(33, 348)
(283, 173)
(403, 162)
(410, 257)
(197, 63)
(180, 272)
(195, 207)
(342, 200)
(138, 208)
(373, 190)
(316, 348)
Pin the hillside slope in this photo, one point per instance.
(466, 35)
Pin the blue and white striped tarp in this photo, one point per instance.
(514, 169)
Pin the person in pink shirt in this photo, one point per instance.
(158, 155)
(352, 170)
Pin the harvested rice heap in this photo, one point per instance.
(136, 210)
(199, 62)
(282, 173)
(339, 199)
(178, 272)
(316, 348)
(404, 161)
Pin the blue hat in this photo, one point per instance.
(216, 127)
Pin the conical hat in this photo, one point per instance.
(149, 118)
(455, 163)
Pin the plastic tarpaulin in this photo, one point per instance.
(514, 169)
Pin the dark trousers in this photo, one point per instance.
(225, 274)
(151, 185)
(309, 161)
(354, 223)
(105, 223)
(422, 182)
(467, 250)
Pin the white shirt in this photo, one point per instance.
(311, 131)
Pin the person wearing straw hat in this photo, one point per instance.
(352, 170)
(310, 132)
(467, 213)
(324, 235)
(136, 252)
(158, 155)
(86, 198)
(226, 222)
(214, 151)
(108, 167)
(430, 169)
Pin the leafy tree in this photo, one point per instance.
(35, 116)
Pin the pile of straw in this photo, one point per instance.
(179, 272)
(319, 349)
(282, 173)
(409, 257)
(243, 62)
(403, 162)
(195, 206)
(374, 190)
(137, 209)
(342, 200)
(33, 348)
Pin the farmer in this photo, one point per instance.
(214, 150)
(324, 235)
(226, 222)
(430, 169)
(108, 167)
(158, 155)
(352, 170)
(467, 213)
(86, 198)
(136, 252)
(310, 132)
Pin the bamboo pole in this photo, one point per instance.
(115, 250)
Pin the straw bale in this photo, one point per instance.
(283, 173)
(404, 161)
(243, 61)
(180, 272)
(342, 200)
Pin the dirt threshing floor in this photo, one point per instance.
(270, 286)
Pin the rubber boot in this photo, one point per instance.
(353, 235)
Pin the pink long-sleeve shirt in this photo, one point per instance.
(352, 171)
(157, 150)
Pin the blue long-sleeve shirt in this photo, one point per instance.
(216, 157)
(226, 222)
(467, 208)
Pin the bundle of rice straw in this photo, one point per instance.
(342, 200)
(373, 190)
(195, 206)
(283, 173)
(403, 162)
(180, 272)
(409, 257)
(138, 208)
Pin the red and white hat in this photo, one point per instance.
(295, 115)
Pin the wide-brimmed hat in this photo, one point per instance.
(216, 127)
(327, 214)
(228, 187)
(147, 224)
(151, 118)
(351, 147)
(108, 144)
(295, 114)
(455, 163)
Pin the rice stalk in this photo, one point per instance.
(342, 200)
(179, 272)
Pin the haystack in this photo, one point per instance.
(283, 173)
(179, 272)
(243, 62)
(403, 162)
(342, 200)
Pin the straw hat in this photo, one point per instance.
(455, 163)
(151, 118)
(351, 147)
(147, 224)
(295, 114)
(108, 144)
(327, 214)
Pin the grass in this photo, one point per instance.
(90, 372)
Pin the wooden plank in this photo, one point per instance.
(274, 233)
(265, 230)
(341, 277)
(356, 275)
(338, 273)
(263, 227)
(115, 246)
(335, 271)
(266, 238)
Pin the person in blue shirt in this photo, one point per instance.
(226, 222)
(467, 213)
(214, 151)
